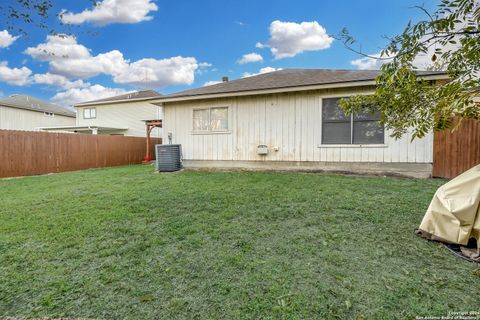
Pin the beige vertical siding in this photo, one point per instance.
(290, 121)
(21, 119)
(124, 115)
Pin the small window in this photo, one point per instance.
(201, 119)
(358, 128)
(89, 113)
(49, 114)
(219, 119)
(210, 119)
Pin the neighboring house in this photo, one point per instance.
(290, 119)
(120, 115)
(22, 112)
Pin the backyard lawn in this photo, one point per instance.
(126, 243)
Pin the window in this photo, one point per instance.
(358, 128)
(49, 114)
(201, 119)
(210, 119)
(89, 113)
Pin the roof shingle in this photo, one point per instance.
(22, 101)
(137, 95)
(286, 78)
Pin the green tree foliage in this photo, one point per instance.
(18, 14)
(451, 36)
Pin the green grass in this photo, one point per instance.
(126, 243)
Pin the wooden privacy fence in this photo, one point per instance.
(456, 152)
(24, 153)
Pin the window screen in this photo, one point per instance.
(359, 128)
(219, 119)
(200, 119)
(211, 119)
(367, 129)
(336, 124)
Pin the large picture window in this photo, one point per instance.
(358, 128)
(210, 119)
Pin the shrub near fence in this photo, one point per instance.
(24, 153)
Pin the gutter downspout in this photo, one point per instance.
(94, 130)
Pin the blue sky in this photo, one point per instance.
(176, 45)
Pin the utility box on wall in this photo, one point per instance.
(262, 150)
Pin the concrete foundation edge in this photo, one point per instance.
(412, 170)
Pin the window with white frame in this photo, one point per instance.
(357, 128)
(210, 119)
(89, 113)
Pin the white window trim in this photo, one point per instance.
(346, 95)
(225, 131)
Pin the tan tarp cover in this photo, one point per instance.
(453, 215)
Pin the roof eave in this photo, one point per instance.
(346, 84)
(8, 105)
(93, 103)
(264, 91)
(66, 128)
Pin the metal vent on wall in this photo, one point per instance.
(169, 157)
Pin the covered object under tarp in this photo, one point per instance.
(453, 216)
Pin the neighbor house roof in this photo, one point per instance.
(287, 80)
(22, 101)
(132, 96)
(83, 128)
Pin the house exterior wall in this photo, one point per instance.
(290, 121)
(21, 119)
(123, 115)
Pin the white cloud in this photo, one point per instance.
(261, 71)
(57, 81)
(204, 67)
(92, 92)
(422, 61)
(84, 68)
(211, 83)
(287, 39)
(158, 73)
(369, 63)
(375, 62)
(112, 11)
(59, 47)
(14, 76)
(68, 58)
(6, 39)
(250, 57)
